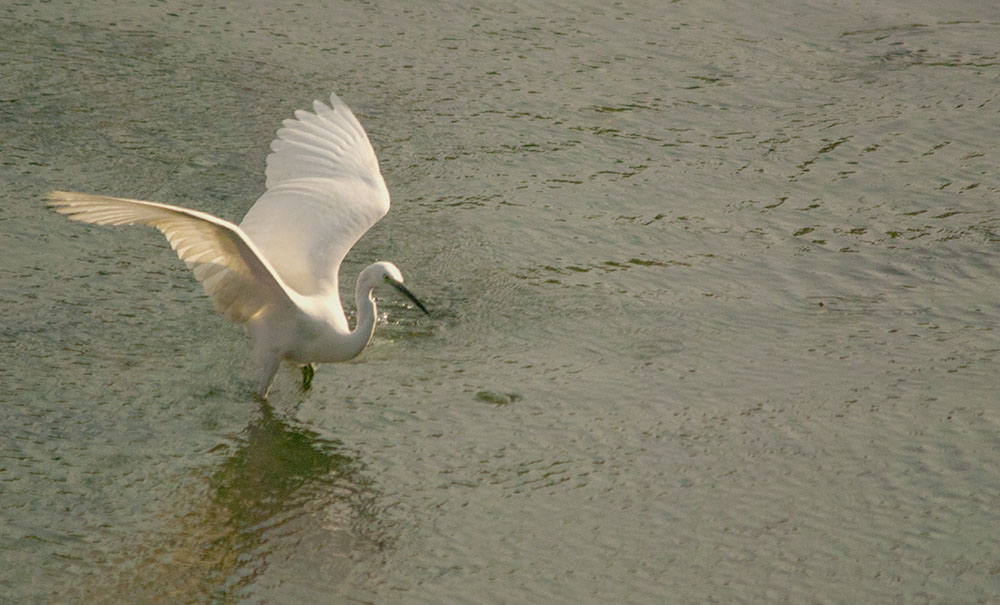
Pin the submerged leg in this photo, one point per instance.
(308, 371)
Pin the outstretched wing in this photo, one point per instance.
(324, 191)
(228, 265)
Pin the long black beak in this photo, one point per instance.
(408, 294)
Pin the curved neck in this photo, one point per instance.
(361, 335)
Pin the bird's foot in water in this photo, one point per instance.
(308, 371)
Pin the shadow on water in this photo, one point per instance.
(286, 511)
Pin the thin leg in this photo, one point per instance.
(308, 371)
(268, 369)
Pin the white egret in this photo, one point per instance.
(278, 270)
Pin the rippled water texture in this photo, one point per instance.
(714, 294)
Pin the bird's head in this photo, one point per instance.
(386, 272)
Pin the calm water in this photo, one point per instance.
(715, 298)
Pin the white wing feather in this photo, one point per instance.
(324, 191)
(228, 265)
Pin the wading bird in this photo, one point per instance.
(278, 270)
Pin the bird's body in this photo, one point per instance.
(278, 271)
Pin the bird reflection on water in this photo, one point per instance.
(285, 506)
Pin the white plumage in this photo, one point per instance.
(278, 270)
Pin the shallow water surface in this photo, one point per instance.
(714, 297)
